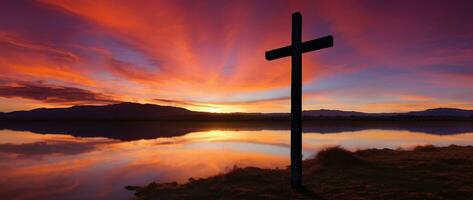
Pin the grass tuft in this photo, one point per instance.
(337, 157)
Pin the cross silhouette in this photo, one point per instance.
(295, 50)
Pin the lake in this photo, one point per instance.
(96, 160)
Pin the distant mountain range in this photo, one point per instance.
(137, 112)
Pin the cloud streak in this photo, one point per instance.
(53, 94)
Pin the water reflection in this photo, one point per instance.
(150, 130)
(61, 166)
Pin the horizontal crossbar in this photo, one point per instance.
(312, 45)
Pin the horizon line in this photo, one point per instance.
(129, 102)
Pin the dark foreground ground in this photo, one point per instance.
(426, 172)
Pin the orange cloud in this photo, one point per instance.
(32, 60)
(187, 68)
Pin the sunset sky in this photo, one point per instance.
(388, 56)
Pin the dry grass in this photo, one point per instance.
(425, 172)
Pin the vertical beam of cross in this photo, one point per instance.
(296, 100)
(295, 50)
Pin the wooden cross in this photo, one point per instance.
(295, 50)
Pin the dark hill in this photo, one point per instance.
(333, 113)
(122, 111)
(443, 112)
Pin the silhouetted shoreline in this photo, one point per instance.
(133, 130)
(426, 172)
(151, 112)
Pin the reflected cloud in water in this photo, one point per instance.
(19, 144)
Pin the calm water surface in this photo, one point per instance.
(62, 166)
